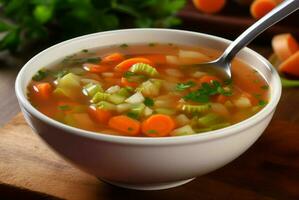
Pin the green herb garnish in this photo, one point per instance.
(40, 75)
(148, 102)
(60, 73)
(257, 96)
(183, 86)
(228, 82)
(132, 77)
(152, 131)
(262, 103)
(64, 107)
(123, 46)
(85, 50)
(202, 95)
(130, 129)
(133, 115)
(265, 87)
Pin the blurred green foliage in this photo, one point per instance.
(24, 21)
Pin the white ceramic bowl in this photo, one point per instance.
(146, 163)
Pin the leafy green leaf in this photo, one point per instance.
(40, 75)
(149, 102)
(4, 26)
(42, 13)
(10, 41)
(183, 86)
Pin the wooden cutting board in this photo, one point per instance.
(269, 170)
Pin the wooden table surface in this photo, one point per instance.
(268, 170)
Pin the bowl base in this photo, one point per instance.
(151, 186)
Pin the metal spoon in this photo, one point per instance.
(223, 63)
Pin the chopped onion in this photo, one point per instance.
(113, 89)
(87, 80)
(123, 107)
(242, 102)
(135, 98)
(148, 111)
(185, 130)
(174, 72)
(182, 120)
(192, 54)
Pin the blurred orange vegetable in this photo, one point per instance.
(259, 8)
(284, 45)
(209, 6)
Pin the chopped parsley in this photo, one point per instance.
(133, 115)
(262, 102)
(228, 82)
(124, 46)
(183, 86)
(130, 129)
(60, 73)
(132, 77)
(85, 50)
(265, 87)
(40, 75)
(202, 95)
(64, 107)
(257, 96)
(152, 131)
(148, 102)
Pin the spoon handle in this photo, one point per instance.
(278, 13)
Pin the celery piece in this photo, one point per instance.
(137, 110)
(116, 98)
(91, 89)
(99, 96)
(209, 120)
(165, 111)
(150, 87)
(125, 92)
(106, 105)
(184, 130)
(143, 68)
(195, 108)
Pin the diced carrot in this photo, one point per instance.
(124, 82)
(99, 115)
(291, 65)
(284, 45)
(158, 125)
(156, 58)
(209, 6)
(95, 68)
(221, 99)
(259, 8)
(208, 79)
(114, 57)
(125, 125)
(43, 90)
(126, 64)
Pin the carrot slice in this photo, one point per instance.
(259, 8)
(125, 125)
(126, 64)
(114, 57)
(94, 68)
(291, 65)
(124, 82)
(43, 90)
(208, 79)
(209, 6)
(158, 125)
(156, 58)
(221, 99)
(99, 115)
(284, 45)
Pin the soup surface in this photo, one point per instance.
(146, 90)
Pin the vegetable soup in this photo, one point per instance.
(149, 90)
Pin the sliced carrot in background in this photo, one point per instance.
(209, 6)
(99, 115)
(126, 64)
(125, 125)
(94, 68)
(284, 45)
(42, 90)
(124, 82)
(158, 125)
(208, 79)
(291, 65)
(259, 8)
(156, 58)
(114, 57)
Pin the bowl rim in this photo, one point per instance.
(209, 135)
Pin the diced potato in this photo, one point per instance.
(242, 102)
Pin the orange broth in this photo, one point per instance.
(147, 91)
